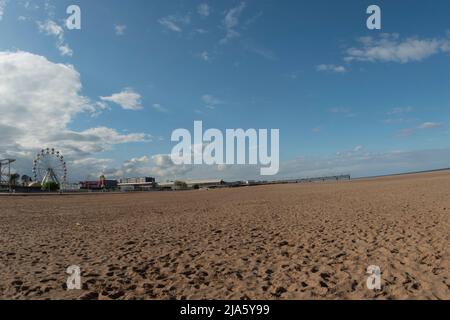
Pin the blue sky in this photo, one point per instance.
(337, 91)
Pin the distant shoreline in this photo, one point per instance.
(401, 174)
(277, 182)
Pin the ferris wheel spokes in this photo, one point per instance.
(50, 166)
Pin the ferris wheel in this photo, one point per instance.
(49, 166)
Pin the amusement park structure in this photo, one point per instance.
(49, 167)
(5, 172)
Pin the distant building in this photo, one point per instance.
(192, 184)
(137, 180)
(101, 184)
(169, 185)
(72, 187)
(137, 184)
(202, 184)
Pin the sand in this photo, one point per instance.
(308, 241)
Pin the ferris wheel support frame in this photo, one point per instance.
(7, 180)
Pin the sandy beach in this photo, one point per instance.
(299, 241)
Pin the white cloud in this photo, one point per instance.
(175, 23)
(204, 56)
(2, 8)
(360, 164)
(253, 19)
(331, 68)
(339, 110)
(406, 132)
(96, 168)
(51, 28)
(344, 111)
(204, 10)
(113, 137)
(201, 31)
(424, 126)
(128, 99)
(396, 120)
(120, 29)
(169, 24)
(39, 101)
(396, 115)
(162, 168)
(159, 108)
(65, 50)
(92, 162)
(159, 166)
(231, 21)
(36, 92)
(356, 162)
(390, 48)
(259, 50)
(430, 125)
(232, 17)
(210, 101)
(400, 110)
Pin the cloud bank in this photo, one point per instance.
(39, 100)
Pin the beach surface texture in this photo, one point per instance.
(294, 241)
